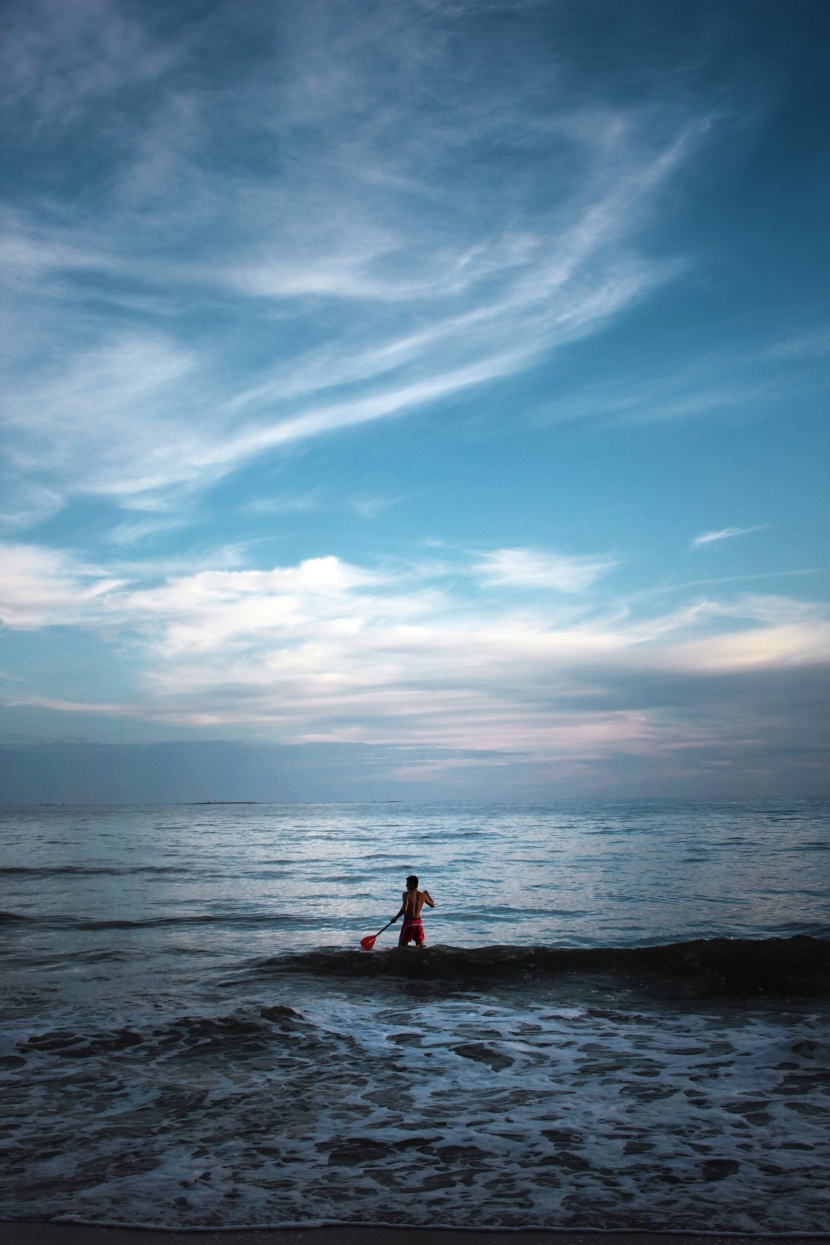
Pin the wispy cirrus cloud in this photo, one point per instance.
(524, 568)
(401, 289)
(725, 533)
(60, 61)
(111, 420)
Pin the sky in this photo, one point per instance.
(414, 399)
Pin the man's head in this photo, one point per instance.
(412, 882)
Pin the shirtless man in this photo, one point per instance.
(412, 929)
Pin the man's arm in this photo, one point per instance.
(428, 898)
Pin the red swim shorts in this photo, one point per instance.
(411, 931)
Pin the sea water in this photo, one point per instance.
(622, 1018)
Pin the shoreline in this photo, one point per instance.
(42, 1232)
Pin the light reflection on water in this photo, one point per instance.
(579, 875)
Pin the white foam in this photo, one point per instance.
(469, 1111)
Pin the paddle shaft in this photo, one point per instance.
(369, 941)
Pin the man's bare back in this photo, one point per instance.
(412, 903)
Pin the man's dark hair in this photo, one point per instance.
(411, 882)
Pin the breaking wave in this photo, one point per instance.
(743, 968)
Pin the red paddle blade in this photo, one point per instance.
(368, 942)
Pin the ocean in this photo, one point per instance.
(621, 1018)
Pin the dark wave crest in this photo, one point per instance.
(726, 967)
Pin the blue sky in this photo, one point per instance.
(421, 398)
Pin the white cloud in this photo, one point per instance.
(327, 650)
(725, 533)
(524, 568)
(44, 587)
(26, 503)
(372, 507)
(300, 503)
(814, 342)
(336, 223)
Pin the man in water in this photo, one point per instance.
(412, 929)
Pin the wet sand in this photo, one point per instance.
(35, 1233)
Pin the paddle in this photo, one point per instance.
(369, 941)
